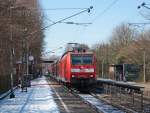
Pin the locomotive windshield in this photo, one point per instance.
(81, 59)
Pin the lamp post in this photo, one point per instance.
(24, 57)
(27, 66)
(30, 69)
(27, 58)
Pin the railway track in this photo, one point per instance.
(119, 107)
(101, 104)
(95, 103)
(67, 101)
(109, 104)
(126, 101)
(98, 104)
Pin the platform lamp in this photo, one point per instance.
(31, 59)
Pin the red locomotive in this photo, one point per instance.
(76, 67)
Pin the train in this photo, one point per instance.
(75, 68)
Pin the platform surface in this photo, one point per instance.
(37, 99)
(44, 96)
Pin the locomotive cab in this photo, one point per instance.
(82, 69)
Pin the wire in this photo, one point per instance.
(84, 24)
(64, 9)
(139, 23)
(56, 9)
(100, 14)
(105, 10)
(87, 9)
(66, 18)
(49, 19)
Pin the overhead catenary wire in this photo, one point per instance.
(100, 14)
(87, 9)
(59, 9)
(105, 10)
(49, 19)
(143, 24)
(76, 23)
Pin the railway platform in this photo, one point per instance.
(130, 96)
(44, 96)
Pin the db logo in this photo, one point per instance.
(82, 70)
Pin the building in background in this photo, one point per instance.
(124, 72)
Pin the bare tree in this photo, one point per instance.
(19, 19)
(122, 36)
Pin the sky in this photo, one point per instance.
(105, 16)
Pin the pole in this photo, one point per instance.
(24, 65)
(103, 68)
(27, 58)
(144, 66)
(11, 75)
(27, 75)
(23, 51)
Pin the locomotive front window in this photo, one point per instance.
(82, 59)
(76, 60)
(87, 59)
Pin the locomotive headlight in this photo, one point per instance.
(91, 76)
(75, 70)
(90, 70)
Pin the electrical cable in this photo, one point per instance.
(64, 9)
(84, 24)
(102, 12)
(105, 10)
(87, 9)
(53, 8)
